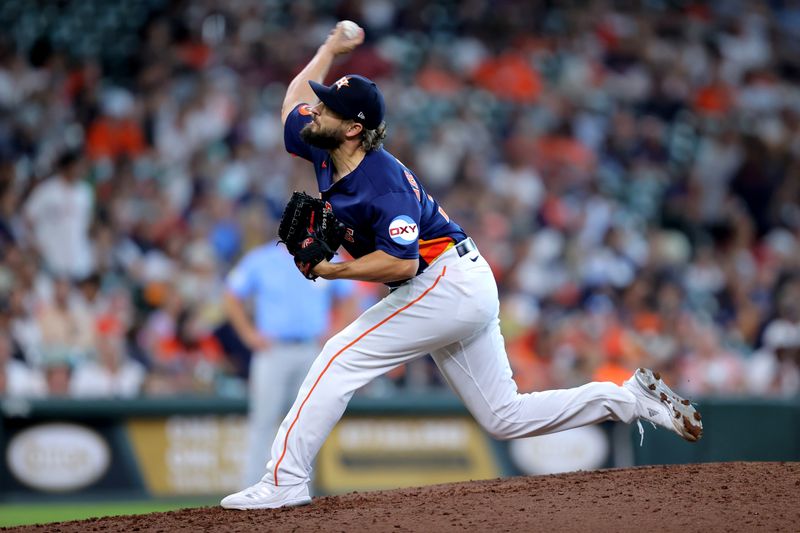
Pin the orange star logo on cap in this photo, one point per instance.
(342, 82)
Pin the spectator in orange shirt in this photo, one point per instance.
(192, 357)
(616, 367)
(716, 98)
(436, 77)
(510, 77)
(116, 132)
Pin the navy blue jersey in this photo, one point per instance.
(381, 202)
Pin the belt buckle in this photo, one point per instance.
(465, 247)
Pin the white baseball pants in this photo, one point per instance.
(450, 311)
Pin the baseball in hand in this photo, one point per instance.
(350, 29)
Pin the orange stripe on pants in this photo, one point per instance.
(337, 354)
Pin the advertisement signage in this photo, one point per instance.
(58, 457)
(372, 453)
(190, 455)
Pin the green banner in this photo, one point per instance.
(61, 450)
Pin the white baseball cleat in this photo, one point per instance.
(659, 405)
(267, 496)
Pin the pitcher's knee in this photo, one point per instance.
(501, 425)
(501, 433)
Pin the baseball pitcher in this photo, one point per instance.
(443, 301)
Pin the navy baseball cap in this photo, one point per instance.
(353, 97)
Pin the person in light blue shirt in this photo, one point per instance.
(290, 320)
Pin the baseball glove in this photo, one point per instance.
(310, 231)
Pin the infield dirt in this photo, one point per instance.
(686, 498)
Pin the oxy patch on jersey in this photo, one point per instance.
(403, 230)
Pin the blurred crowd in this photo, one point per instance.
(631, 170)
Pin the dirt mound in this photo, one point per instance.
(698, 497)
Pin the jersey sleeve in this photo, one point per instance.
(396, 217)
(296, 121)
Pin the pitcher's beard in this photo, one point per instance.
(326, 140)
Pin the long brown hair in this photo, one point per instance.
(373, 139)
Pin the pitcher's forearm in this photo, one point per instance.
(378, 267)
(338, 43)
(299, 90)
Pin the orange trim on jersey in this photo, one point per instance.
(350, 345)
(430, 250)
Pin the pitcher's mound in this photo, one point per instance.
(697, 497)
